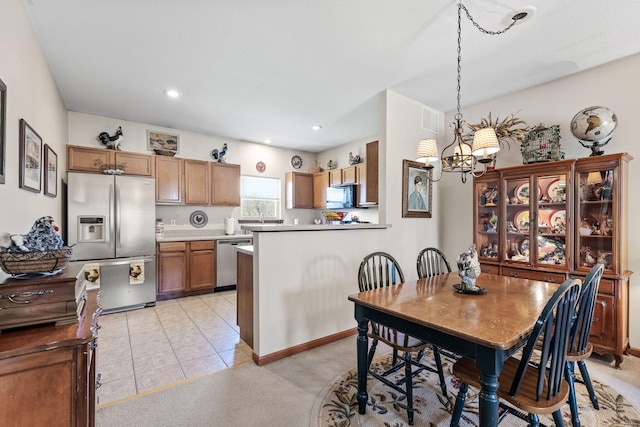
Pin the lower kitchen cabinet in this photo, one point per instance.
(186, 268)
(48, 373)
(244, 305)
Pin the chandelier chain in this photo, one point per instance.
(493, 33)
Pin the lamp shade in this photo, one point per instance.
(485, 142)
(594, 178)
(427, 151)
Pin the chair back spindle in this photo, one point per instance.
(432, 262)
(579, 338)
(377, 270)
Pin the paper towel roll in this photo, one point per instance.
(229, 225)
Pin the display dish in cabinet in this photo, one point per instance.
(487, 209)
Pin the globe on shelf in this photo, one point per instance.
(593, 127)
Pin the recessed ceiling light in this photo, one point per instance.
(316, 127)
(172, 93)
(267, 141)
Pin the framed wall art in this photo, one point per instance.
(162, 141)
(30, 157)
(3, 120)
(416, 190)
(51, 172)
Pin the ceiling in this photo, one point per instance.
(256, 69)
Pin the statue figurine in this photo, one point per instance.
(469, 270)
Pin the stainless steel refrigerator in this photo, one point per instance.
(111, 225)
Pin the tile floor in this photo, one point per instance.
(145, 349)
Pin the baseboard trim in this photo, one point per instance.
(268, 358)
(634, 351)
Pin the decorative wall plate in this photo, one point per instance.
(296, 162)
(198, 219)
(261, 167)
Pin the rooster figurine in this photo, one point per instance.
(42, 237)
(112, 142)
(469, 270)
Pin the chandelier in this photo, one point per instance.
(460, 156)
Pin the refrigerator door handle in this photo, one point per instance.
(117, 187)
(112, 220)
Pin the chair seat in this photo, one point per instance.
(582, 355)
(465, 370)
(398, 340)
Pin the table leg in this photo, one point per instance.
(363, 344)
(490, 364)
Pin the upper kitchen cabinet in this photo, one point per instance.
(349, 175)
(169, 184)
(320, 184)
(196, 182)
(335, 177)
(225, 184)
(367, 179)
(97, 160)
(298, 190)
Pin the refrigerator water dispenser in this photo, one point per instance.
(91, 229)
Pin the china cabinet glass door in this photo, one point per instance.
(487, 207)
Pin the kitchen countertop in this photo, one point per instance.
(187, 235)
(245, 249)
(313, 227)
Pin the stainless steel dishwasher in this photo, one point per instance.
(227, 260)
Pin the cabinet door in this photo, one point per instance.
(361, 181)
(349, 175)
(335, 177)
(196, 182)
(134, 163)
(169, 171)
(202, 265)
(225, 184)
(87, 159)
(244, 312)
(299, 190)
(603, 325)
(487, 206)
(320, 184)
(372, 173)
(172, 267)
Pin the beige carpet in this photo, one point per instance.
(337, 406)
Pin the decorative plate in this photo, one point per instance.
(261, 167)
(558, 220)
(548, 250)
(521, 220)
(198, 219)
(296, 162)
(557, 191)
(522, 192)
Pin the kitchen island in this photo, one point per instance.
(302, 276)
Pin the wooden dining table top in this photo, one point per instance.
(499, 319)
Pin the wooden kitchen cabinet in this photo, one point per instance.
(320, 184)
(298, 190)
(361, 182)
(371, 191)
(244, 308)
(196, 182)
(48, 373)
(169, 180)
(186, 268)
(97, 160)
(225, 184)
(349, 175)
(335, 177)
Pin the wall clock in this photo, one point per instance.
(296, 162)
(261, 167)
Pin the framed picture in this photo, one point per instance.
(3, 120)
(416, 190)
(51, 172)
(30, 157)
(162, 141)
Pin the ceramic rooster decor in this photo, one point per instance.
(469, 270)
(219, 155)
(42, 237)
(112, 142)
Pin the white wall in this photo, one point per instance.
(615, 85)
(31, 95)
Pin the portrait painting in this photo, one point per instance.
(416, 190)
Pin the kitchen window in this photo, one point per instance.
(259, 196)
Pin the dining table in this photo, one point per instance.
(487, 328)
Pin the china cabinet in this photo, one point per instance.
(550, 221)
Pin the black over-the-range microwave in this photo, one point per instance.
(341, 197)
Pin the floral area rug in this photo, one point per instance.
(337, 405)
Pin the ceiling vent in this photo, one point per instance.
(430, 120)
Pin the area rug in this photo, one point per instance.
(337, 405)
